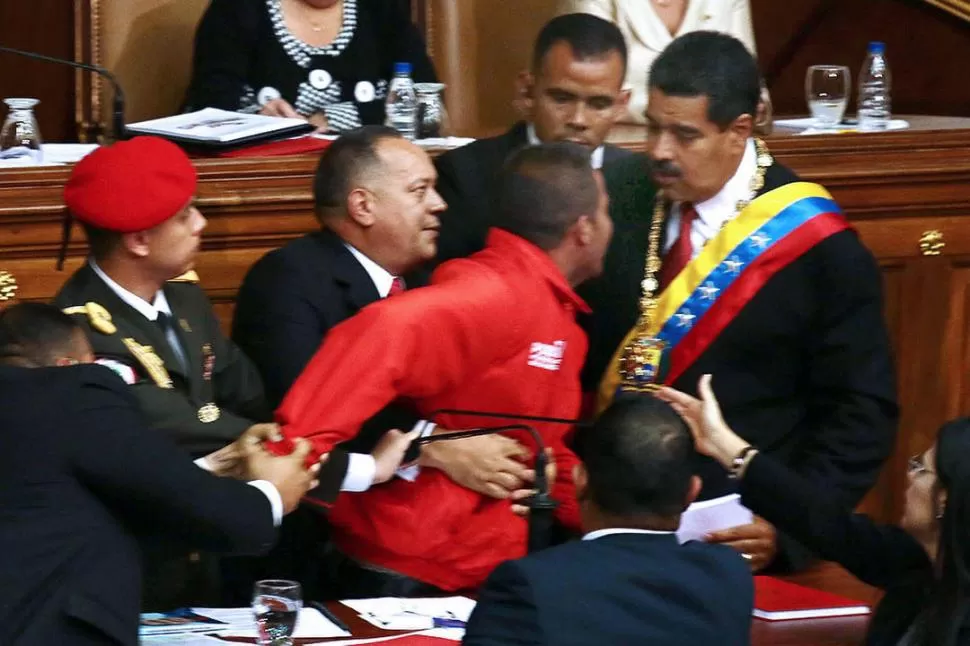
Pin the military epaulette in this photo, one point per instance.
(98, 317)
(187, 277)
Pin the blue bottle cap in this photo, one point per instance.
(402, 68)
(876, 47)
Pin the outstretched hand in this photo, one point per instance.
(712, 436)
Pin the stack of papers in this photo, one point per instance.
(437, 637)
(392, 613)
(212, 125)
(310, 623)
(807, 126)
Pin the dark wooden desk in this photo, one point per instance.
(848, 631)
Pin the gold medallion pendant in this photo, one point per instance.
(209, 413)
(641, 364)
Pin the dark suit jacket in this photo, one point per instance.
(803, 372)
(289, 301)
(234, 385)
(884, 556)
(81, 475)
(466, 181)
(621, 590)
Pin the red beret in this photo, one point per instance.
(130, 186)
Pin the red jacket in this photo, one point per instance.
(493, 332)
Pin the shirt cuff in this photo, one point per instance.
(202, 463)
(275, 500)
(361, 469)
(412, 471)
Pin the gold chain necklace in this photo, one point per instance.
(640, 360)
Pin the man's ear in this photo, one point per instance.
(622, 104)
(136, 243)
(693, 490)
(741, 130)
(581, 481)
(584, 230)
(360, 207)
(524, 101)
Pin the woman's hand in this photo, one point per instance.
(280, 108)
(712, 436)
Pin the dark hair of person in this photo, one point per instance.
(35, 334)
(638, 456)
(590, 38)
(341, 166)
(543, 190)
(100, 241)
(936, 606)
(711, 64)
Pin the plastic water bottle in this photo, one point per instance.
(874, 83)
(402, 103)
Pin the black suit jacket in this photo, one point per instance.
(621, 590)
(81, 477)
(466, 181)
(884, 556)
(288, 302)
(803, 372)
(230, 382)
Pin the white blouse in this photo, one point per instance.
(646, 35)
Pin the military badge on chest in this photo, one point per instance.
(208, 413)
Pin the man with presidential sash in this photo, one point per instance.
(724, 262)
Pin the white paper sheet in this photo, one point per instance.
(392, 613)
(711, 515)
(310, 624)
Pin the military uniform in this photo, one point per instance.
(203, 406)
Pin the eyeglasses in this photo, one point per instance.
(915, 466)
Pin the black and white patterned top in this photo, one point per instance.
(245, 56)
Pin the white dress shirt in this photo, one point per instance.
(361, 467)
(600, 533)
(150, 311)
(595, 158)
(714, 213)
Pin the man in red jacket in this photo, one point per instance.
(493, 332)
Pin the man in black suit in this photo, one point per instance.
(629, 581)
(83, 479)
(138, 300)
(751, 275)
(572, 92)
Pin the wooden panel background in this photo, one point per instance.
(479, 44)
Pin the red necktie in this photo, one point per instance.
(397, 286)
(680, 253)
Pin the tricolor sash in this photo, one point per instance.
(774, 230)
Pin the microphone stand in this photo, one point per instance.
(118, 103)
(541, 505)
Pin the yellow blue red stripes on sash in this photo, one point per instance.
(765, 222)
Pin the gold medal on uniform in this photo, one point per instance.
(641, 364)
(209, 413)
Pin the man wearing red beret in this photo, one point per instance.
(135, 202)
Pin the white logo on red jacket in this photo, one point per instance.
(547, 356)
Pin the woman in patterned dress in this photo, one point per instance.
(328, 61)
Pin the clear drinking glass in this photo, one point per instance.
(827, 92)
(276, 606)
(20, 136)
(432, 116)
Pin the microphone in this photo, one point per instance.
(541, 505)
(118, 106)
